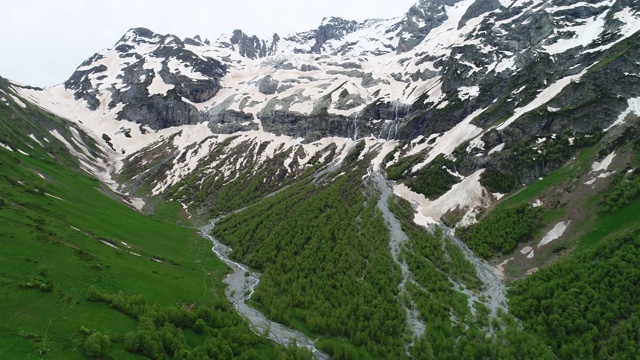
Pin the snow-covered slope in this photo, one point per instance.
(469, 79)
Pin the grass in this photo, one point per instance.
(564, 175)
(39, 232)
(605, 226)
(52, 220)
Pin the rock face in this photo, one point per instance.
(421, 18)
(253, 48)
(158, 79)
(421, 74)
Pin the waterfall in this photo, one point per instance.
(355, 126)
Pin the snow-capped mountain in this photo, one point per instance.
(469, 79)
(509, 128)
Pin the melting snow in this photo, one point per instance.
(6, 147)
(17, 101)
(543, 97)
(554, 233)
(467, 194)
(109, 244)
(497, 149)
(634, 107)
(604, 164)
(35, 139)
(23, 153)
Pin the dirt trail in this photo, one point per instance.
(241, 285)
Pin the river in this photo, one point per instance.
(241, 285)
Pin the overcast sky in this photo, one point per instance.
(43, 41)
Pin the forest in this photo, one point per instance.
(501, 231)
(586, 306)
(322, 249)
(199, 332)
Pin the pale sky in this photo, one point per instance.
(43, 41)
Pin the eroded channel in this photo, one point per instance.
(241, 285)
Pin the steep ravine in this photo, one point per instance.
(493, 290)
(396, 239)
(241, 284)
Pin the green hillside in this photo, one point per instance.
(82, 274)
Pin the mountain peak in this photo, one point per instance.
(137, 35)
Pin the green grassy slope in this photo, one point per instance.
(55, 222)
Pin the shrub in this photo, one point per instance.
(97, 345)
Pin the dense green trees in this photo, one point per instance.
(161, 332)
(434, 179)
(624, 189)
(586, 306)
(452, 330)
(501, 231)
(326, 269)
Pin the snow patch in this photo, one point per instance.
(446, 143)
(109, 244)
(600, 176)
(6, 147)
(467, 195)
(497, 149)
(554, 233)
(17, 101)
(585, 34)
(158, 86)
(35, 139)
(387, 147)
(631, 21)
(468, 92)
(525, 250)
(604, 164)
(634, 108)
(53, 196)
(543, 97)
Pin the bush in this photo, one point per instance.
(199, 326)
(97, 345)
